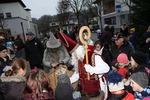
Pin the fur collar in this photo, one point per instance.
(12, 78)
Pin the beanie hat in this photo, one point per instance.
(140, 78)
(122, 58)
(115, 82)
(140, 58)
(63, 78)
(2, 47)
(63, 92)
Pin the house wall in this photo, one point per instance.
(20, 22)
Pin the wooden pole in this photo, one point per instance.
(83, 38)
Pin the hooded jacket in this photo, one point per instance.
(11, 87)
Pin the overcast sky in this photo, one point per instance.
(41, 7)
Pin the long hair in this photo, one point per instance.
(15, 67)
(37, 82)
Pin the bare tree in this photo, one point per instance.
(89, 11)
(63, 12)
(3, 22)
(77, 7)
(99, 4)
(43, 23)
(129, 4)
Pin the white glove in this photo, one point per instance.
(88, 68)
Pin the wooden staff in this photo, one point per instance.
(83, 38)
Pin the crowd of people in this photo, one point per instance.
(115, 67)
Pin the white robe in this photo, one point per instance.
(100, 68)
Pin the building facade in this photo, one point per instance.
(16, 18)
(114, 12)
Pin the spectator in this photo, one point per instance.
(124, 30)
(19, 49)
(12, 81)
(116, 87)
(132, 37)
(4, 58)
(54, 54)
(123, 70)
(34, 50)
(38, 86)
(19, 38)
(120, 46)
(123, 64)
(139, 83)
(101, 50)
(64, 90)
(106, 37)
(145, 42)
(139, 61)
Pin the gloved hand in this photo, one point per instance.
(88, 68)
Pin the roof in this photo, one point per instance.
(10, 1)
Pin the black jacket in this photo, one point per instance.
(125, 48)
(34, 50)
(12, 87)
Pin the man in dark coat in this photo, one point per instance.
(34, 50)
(120, 46)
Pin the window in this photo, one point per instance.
(110, 21)
(1, 15)
(8, 15)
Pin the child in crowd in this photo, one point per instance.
(139, 83)
(38, 86)
(123, 63)
(12, 82)
(116, 87)
(99, 49)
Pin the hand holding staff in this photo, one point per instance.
(83, 39)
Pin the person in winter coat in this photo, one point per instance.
(116, 87)
(12, 82)
(19, 49)
(139, 83)
(34, 50)
(4, 58)
(38, 86)
(139, 62)
(120, 45)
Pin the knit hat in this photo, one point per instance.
(53, 42)
(63, 92)
(140, 78)
(63, 78)
(140, 58)
(115, 82)
(122, 58)
(2, 47)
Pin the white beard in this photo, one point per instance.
(78, 54)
